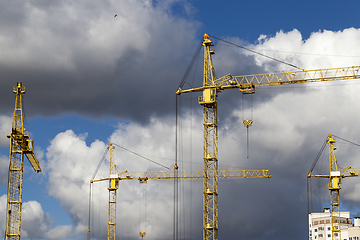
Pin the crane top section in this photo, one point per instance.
(20, 139)
(331, 139)
(335, 172)
(207, 40)
(19, 89)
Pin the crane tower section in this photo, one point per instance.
(20, 144)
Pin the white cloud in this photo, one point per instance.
(323, 49)
(3, 201)
(4, 169)
(71, 164)
(60, 232)
(5, 129)
(77, 48)
(70, 167)
(34, 222)
(81, 31)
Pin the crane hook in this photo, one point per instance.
(142, 234)
(247, 124)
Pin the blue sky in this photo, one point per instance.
(91, 78)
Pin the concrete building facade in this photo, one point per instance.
(320, 226)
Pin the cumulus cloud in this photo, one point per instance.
(4, 168)
(72, 163)
(35, 223)
(323, 49)
(76, 57)
(5, 128)
(60, 232)
(288, 130)
(69, 161)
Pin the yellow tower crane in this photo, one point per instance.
(336, 175)
(112, 187)
(20, 144)
(246, 84)
(142, 177)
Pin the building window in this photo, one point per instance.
(321, 228)
(315, 230)
(329, 235)
(329, 228)
(320, 235)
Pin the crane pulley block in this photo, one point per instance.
(247, 88)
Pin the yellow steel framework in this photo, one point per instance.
(20, 144)
(113, 186)
(188, 174)
(142, 177)
(336, 175)
(246, 84)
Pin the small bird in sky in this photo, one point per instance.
(115, 16)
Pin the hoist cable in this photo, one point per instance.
(101, 161)
(176, 181)
(88, 235)
(318, 156)
(142, 156)
(308, 181)
(188, 70)
(309, 194)
(347, 141)
(247, 49)
(90, 190)
(247, 142)
(191, 181)
(142, 206)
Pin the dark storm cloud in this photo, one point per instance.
(78, 58)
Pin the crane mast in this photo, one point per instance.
(20, 144)
(210, 152)
(113, 186)
(336, 175)
(334, 187)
